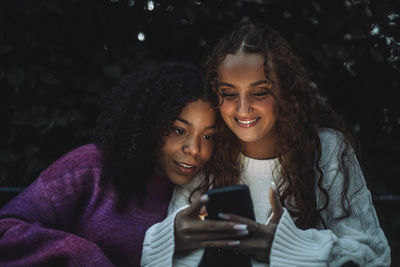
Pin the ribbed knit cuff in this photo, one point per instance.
(159, 243)
(295, 247)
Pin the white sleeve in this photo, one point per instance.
(356, 238)
(159, 242)
(312, 247)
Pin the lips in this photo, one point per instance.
(246, 123)
(185, 168)
(185, 165)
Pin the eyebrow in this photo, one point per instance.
(254, 84)
(260, 82)
(188, 123)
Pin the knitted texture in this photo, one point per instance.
(357, 238)
(68, 216)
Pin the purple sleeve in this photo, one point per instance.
(33, 233)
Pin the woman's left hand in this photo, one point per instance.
(258, 244)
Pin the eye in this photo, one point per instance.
(228, 94)
(260, 92)
(179, 131)
(209, 137)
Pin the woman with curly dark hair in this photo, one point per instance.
(286, 144)
(93, 205)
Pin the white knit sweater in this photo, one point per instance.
(358, 237)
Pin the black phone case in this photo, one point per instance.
(232, 199)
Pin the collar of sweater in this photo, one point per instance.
(258, 165)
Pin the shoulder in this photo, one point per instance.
(338, 160)
(332, 143)
(330, 138)
(81, 158)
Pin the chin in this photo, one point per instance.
(181, 180)
(247, 138)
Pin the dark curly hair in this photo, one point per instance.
(299, 114)
(139, 113)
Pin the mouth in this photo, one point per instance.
(246, 123)
(185, 165)
(185, 168)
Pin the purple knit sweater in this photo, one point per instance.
(68, 218)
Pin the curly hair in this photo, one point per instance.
(139, 113)
(299, 114)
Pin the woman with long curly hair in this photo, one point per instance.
(93, 205)
(288, 146)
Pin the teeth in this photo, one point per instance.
(246, 122)
(185, 165)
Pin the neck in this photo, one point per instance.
(262, 149)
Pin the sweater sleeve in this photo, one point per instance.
(37, 227)
(159, 241)
(29, 235)
(357, 237)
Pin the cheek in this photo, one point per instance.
(207, 152)
(266, 106)
(226, 108)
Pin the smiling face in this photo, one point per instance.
(190, 143)
(246, 103)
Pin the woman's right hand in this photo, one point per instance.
(192, 233)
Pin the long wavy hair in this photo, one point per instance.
(299, 112)
(139, 113)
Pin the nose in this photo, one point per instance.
(191, 145)
(243, 105)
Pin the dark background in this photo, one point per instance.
(59, 58)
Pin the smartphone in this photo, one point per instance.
(232, 199)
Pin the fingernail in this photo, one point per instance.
(204, 198)
(242, 233)
(224, 216)
(240, 227)
(273, 186)
(234, 243)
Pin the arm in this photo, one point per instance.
(159, 241)
(159, 246)
(30, 234)
(356, 238)
(179, 239)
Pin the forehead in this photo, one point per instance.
(233, 60)
(242, 66)
(242, 69)
(198, 112)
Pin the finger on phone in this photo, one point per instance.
(253, 226)
(221, 243)
(216, 226)
(196, 206)
(234, 217)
